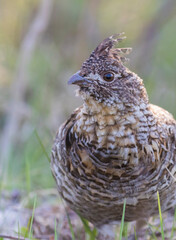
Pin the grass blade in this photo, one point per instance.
(173, 226)
(91, 233)
(19, 232)
(135, 236)
(32, 218)
(42, 146)
(161, 220)
(122, 221)
(71, 227)
(126, 231)
(152, 232)
(55, 230)
(27, 175)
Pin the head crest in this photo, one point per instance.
(106, 48)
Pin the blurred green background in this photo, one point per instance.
(42, 43)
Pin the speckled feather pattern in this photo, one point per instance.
(115, 146)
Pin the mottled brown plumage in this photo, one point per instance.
(115, 146)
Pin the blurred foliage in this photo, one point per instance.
(74, 30)
(15, 16)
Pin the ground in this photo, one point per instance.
(16, 210)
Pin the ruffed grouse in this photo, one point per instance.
(116, 145)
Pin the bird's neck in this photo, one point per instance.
(99, 121)
(115, 111)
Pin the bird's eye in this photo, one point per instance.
(108, 77)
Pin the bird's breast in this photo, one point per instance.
(110, 134)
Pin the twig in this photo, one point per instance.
(47, 237)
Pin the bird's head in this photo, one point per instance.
(104, 78)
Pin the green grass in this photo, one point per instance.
(28, 176)
(42, 146)
(27, 163)
(71, 227)
(122, 221)
(135, 236)
(27, 232)
(32, 217)
(173, 226)
(90, 233)
(125, 230)
(55, 230)
(152, 232)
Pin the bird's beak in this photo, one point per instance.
(78, 80)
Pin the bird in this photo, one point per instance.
(116, 146)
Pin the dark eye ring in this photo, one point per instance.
(108, 77)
